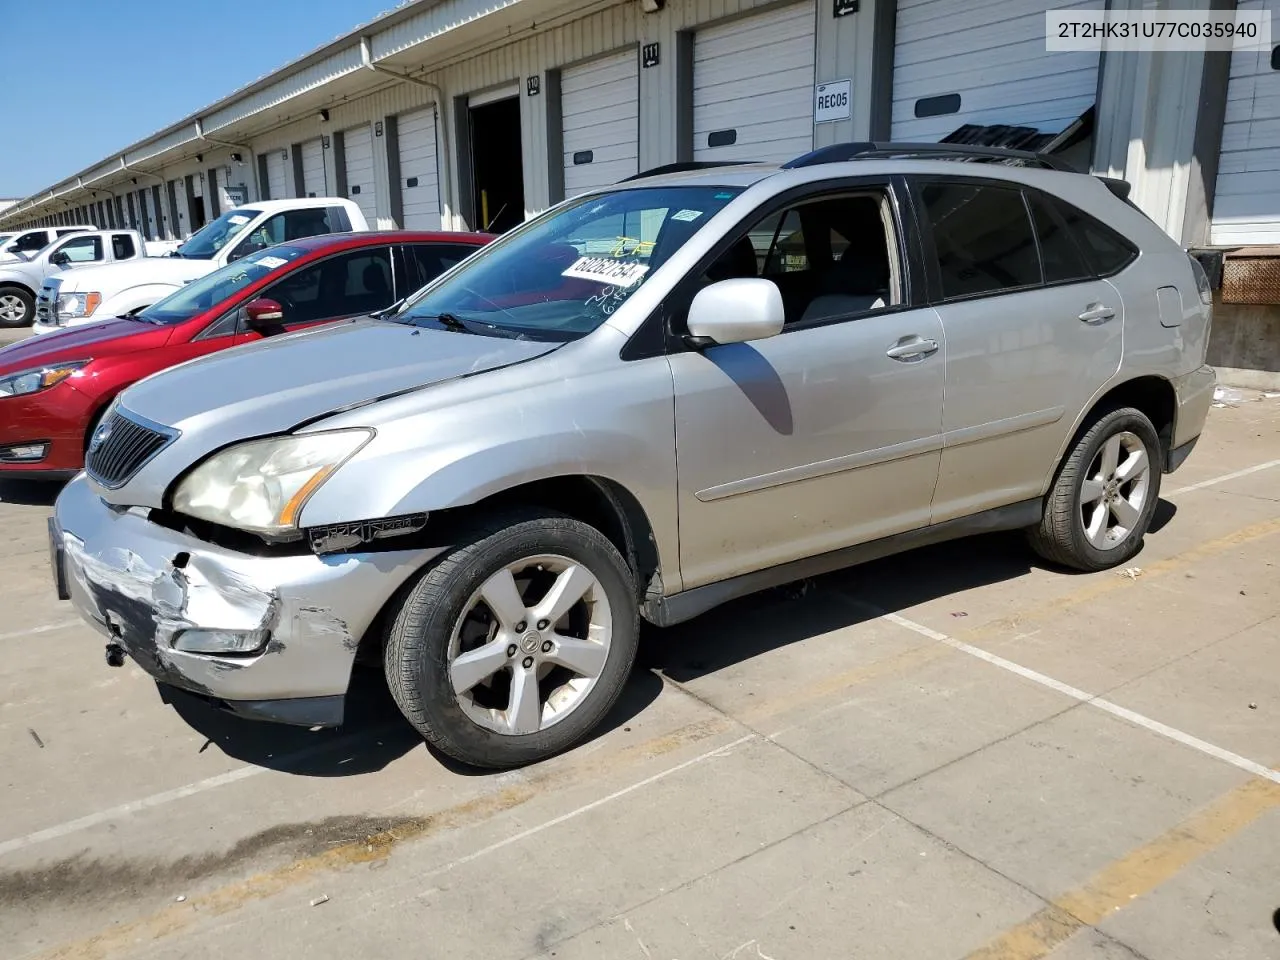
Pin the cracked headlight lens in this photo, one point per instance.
(261, 486)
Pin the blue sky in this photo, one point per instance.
(109, 72)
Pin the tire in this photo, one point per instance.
(1069, 533)
(16, 297)
(444, 615)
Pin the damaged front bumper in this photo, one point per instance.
(144, 586)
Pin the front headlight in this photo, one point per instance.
(78, 304)
(41, 378)
(262, 485)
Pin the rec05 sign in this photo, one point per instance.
(831, 101)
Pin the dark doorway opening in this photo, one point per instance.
(498, 182)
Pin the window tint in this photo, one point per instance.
(1107, 250)
(433, 259)
(1058, 251)
(343, 286)
(338, 219)
(30, 242)
(83, 249)
(283, 227)
(983, 238)
(122, 246)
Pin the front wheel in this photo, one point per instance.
(1104, 495)
(516, 644)
(17, 307)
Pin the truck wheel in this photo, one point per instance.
(17, 307)
(514, 646)
(1105, 493)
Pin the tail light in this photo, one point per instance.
(1202, 282)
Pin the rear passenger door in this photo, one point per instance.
(1031, 331)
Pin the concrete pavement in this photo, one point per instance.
(952, 753)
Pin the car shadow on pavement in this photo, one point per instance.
(30, 493)
(753, 625)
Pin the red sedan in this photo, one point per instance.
(53, 388)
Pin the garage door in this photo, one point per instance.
(600, 110)
(1247, 207)
(358, 143)
(313, 169)
(984, 62)
(419, 180)
(753, 87)
(277, 188)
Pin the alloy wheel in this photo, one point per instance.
(1115, 490)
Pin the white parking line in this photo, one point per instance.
(1155, 726)
(1213, 482)
(169, 796)
(47, 628)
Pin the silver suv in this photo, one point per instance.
(645, 402)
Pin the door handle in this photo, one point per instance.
(912, 349)
(1097, 313)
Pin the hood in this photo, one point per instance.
(116, 276)
(273, 385)
(82, 343)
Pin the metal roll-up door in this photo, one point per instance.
(359, 153)
(277, 188)
(313, 168)
(753, 86)
(1246, 208)
(960, 62)
(419, 176)
(600, 119)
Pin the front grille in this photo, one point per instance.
(121, 445)
(47, 302)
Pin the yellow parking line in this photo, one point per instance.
(1139, 872)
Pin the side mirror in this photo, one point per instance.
(265, 316)
(735, 311)
(60, 259)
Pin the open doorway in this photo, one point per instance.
(498, 174)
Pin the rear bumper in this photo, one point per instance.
(142, 586)
(1194, 394)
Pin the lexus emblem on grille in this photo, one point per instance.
(99, 437)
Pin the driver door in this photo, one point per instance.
(829, 433)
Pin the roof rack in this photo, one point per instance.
(840, 152)
(684, 166)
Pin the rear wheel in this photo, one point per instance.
(515, 645)
(1104, 495)
(17, 307)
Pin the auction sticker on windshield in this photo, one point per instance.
(618, 273)
(687, 216)
(271, 262)
(237, 219)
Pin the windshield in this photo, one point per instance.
(560, 277)
(208, 240)
(215, 288)
(4, 237)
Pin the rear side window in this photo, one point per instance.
(122, 246)
(433, 259)
(1108, 252)
(338, 220)
(983, 238)
(1063, 261)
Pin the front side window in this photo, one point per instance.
(208, 240)
(216, 287)
(561, 276)
(81, 249)
(347, 285)
(832, 257)
(31, 242)
(282, 228)
(982, 238)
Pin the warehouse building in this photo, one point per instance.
(479, 113)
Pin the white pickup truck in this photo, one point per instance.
(21, 277)
(23, 243)
(119, 290)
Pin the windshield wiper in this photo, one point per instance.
(449, 322)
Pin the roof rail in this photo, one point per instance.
(683, 166)
(840, 152)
